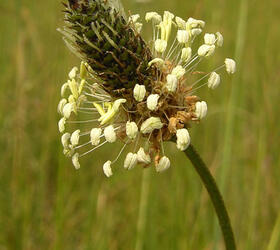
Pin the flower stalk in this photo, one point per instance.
(215, 195)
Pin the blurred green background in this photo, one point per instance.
(46, 204)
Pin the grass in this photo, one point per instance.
(46, 204)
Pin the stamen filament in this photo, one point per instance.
(82, 145)
(93, 149)
(118, 156)
(207, 75)
(74, 122)
(173, 43)
(191, 61)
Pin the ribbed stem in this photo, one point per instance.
(215, 195)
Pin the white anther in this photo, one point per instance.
(180, 22)
(74, 88)
(160, 45)
(138, 27)
(68, 152)
(194, 23)
(67, 110)
(73, 73)
(75, 161)
(171, 83)
(143, 157)
(95, 135)
(200, 110)
(152, 101)
(178, 71)
(209, 39)
(61, 105)
(61, 124)
(64, 87)
(183, 139)
(111, 112)
(71, 99)
(65, 140)
(163, 164)
(206, 50)
(110, 134)
(150, 125)
(83, 70)
(214, 80)
(117, 104)
(75, 137)
(139, 92)
(154, 16)
(131, 130)
(186, 54)
(182, 36)
(220, 39)
(81, 86)
(107, 169)
(166, 25)
(134, 18)
(230, 66)
(130, 161)
(167, 16)
(196, 32)
(157, 61)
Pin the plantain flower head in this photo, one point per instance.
(129, 90)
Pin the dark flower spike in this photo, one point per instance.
(100, 34)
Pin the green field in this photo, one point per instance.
(46, 204)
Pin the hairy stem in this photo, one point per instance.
(215, 195)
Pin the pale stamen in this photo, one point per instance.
(173, 43)
(191, 61)
(174, 49)
(136, 142)
(83, 145)
(121, 151)
(217, 69)
(103, 143)
(77, 122)
(191, 69)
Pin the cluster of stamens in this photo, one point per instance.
(142, 117)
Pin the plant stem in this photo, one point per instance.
(215, 195)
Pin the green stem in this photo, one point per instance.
(215, 195)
